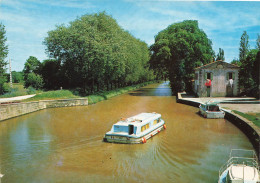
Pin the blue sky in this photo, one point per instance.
(28, 21)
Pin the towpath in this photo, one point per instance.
(245, 104)
(12, 99)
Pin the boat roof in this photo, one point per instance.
(243, 172)
(139, 119)
(211, 103)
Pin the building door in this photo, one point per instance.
(230, 85)
(220, 84)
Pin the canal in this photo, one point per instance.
(65, 144)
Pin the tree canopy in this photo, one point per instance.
(220, 55)
(249, 66)
(3, 55)
(178, 50)
(94, 52)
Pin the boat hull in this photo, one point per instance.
(131, 140)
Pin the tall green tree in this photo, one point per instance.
(182, 47)
(94, 53)
(50, 72)
(258, 42)
(246, 69)
(256, 74)
(220, 55)
(32, 65)
(3, 55)
(244, 47)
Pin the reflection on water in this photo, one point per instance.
(65, 144)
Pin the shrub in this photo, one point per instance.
(34, 80)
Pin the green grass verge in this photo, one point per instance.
(254, 117)
(92, 99)
(67, 94)
(51, 95)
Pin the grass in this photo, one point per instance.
(17, 90)
(254, 117)
(50, 95)
(92, 99)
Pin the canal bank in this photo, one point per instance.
(246, 126)
(12, 110)
(12, 107)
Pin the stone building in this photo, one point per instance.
(220, 77)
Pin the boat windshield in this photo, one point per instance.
(213, 108)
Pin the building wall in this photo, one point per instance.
(219, 83)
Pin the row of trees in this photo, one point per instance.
(249, 60)
(178, 50)
(93, 52)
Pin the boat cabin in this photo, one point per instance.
(210, 107)
(136, 124)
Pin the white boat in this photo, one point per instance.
(242, 167)
(136, 129)
(211, 110)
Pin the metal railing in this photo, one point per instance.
(241, 157)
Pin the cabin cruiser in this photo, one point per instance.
(136, 129)
(211, 110)
(242, 167)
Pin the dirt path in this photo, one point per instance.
(15, 98)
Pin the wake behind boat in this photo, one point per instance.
(136, 129)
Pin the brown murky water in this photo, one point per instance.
(65, 144)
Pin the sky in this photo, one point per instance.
(27, 22)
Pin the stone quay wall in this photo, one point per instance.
(12, 110)
(246, 126)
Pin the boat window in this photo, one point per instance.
(130, 129)
(156, 121)
(145, 127)
(213, 108)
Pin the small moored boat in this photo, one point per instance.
(211, 110)
(242, 167)
(136, 129)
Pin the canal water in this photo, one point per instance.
(65, 144)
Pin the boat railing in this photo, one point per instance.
(251, 161)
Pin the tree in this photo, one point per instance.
(246, 70)
(17, 77)
(258, 42)
(220, 55)
(236, 62)
(93, 53)
(181, 48)
(34, 80)
(256, 74)
(51, 74)
(244, 47)
(3, 55)
(32, 65)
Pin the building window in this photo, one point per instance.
(196, 76)
(230, 75)
(209, 75)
